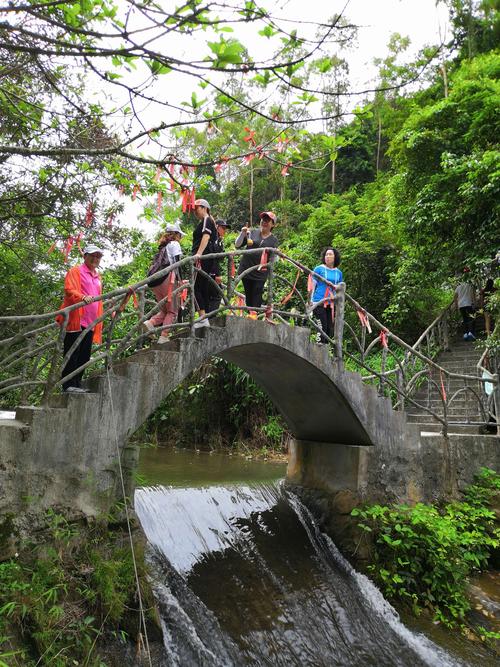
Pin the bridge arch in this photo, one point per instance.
(318, 402)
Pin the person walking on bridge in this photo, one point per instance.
(204, 243)
(254, 281)
(82, 283)
(164, 289)
(322, 295)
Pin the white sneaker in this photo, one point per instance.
(201, 323)
(163, 339)
(147, 326)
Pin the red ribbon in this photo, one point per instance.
(159, 201)
(188, 199)
(310, 283)
(250, 136)
(363, 318)
(284, 171)
(232, 267)
(67, 247)
(443, 392)
(383, 338)
(52, 248)
(263, 261)
(287, 298)
(184, 295)
(89, 214)
(240, 302)
(282, 144)
(135, 191)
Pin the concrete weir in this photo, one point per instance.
(346, 437)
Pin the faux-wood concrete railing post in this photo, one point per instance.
(339, 323)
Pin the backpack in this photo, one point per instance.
(160, 261)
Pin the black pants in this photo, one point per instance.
(79, 357)
(468, 319)
(202, 292)
(214, 298)
(325, 320)
(254, 290)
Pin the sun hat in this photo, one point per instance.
(221, 223)
(269, 214)
(91, 249)
(202, 202)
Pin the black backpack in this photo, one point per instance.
(160, 261)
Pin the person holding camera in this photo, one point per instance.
(254, 281)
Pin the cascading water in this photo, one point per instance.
(245, 577)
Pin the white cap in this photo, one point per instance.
(170, 227)
(91, 249)
(202, 202)
(177, 228)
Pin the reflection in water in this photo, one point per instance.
(244, 577)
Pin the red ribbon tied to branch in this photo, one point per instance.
(383, 338)
(363, 318)
(136, 191)
(89, 214)
(67, 247)
(263, 261)
(282, 144)
(443, 391)
(188, 199)
(249, 138)
(159, 201)
(158, 174)
(284, 171)
(287, 298)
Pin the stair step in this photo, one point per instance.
(426, 417)
(462, 429)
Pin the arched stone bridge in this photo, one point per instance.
(346, 436)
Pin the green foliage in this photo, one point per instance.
(423, 555)
(57, 599)
(219, 404)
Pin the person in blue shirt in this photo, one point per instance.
(322, 295)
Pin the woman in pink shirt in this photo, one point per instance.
(82, 283)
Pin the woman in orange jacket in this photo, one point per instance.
(82, 283)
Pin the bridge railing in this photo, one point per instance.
(32, 346)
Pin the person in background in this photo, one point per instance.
(323, 312)
(204, 240)
(216, 273)
(82, 283)
(465, 301)
(486, 293)
(169, 244)
(254, 282)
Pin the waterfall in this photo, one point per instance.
(243, 576)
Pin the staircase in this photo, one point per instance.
(463, 408)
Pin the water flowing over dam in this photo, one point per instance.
(243, 576)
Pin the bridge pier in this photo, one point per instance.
(332, 468)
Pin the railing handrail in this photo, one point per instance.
(114, 347)
(433, 324)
